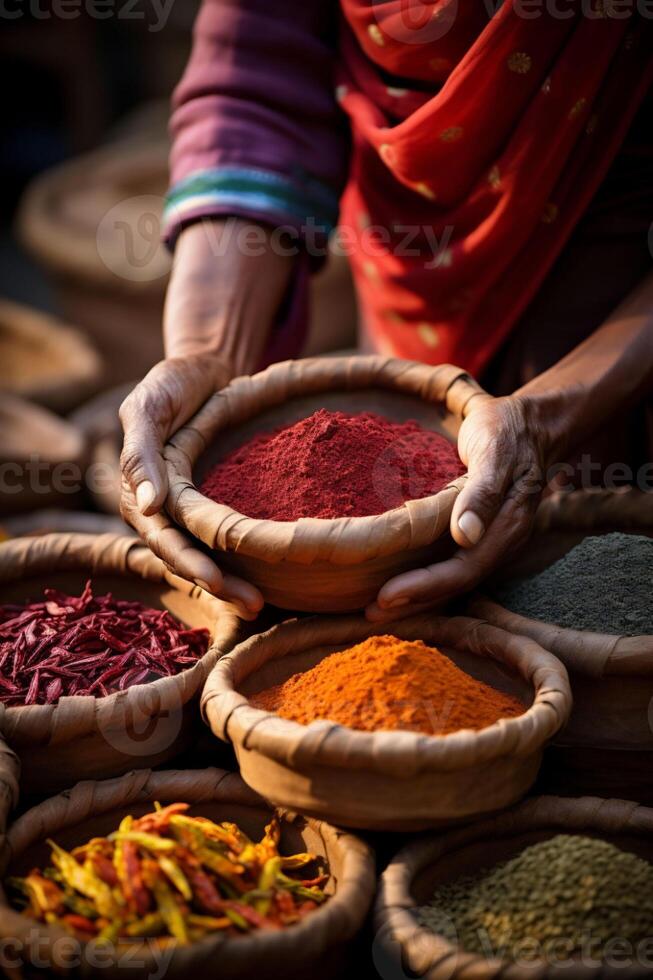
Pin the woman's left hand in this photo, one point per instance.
(505, 449)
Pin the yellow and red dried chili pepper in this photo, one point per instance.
(174, 876)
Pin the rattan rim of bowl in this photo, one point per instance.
(402, 754)
(347, 541)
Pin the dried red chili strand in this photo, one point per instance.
(78, 645)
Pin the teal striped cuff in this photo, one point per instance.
(247, 191)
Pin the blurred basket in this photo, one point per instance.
(42, 458)
(98, 420)
(44, 359)
(387, 780)
(94, 223)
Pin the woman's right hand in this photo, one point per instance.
(220, 306)
(172, 391)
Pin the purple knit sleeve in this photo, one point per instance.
(255, 127)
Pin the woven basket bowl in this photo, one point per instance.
(80, 737)
(611, 675)
(44, 359)
(316, 947)
(314, 564)
(387, 780)
(93, 224)
(402, 943)
(45, 457)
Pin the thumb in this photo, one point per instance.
(141, 459)
(480, 500)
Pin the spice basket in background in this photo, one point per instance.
(44, 455)
(48, 521)
(145, 724)
(312, 564)
(387, 780)
(607, 745)
(98, 420)
(93, 223)
(315, 947)
(45, 360)
(411, 877)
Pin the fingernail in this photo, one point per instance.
(145, 494)
(472, 526)
(401, 600)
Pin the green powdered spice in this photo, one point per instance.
(604, 584)
(565, 897)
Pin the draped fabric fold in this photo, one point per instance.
(478, 141)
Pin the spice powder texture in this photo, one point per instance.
(604, 584)
(561, 897)
(388, 683)
(333, 465)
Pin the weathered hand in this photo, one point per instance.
(506, 453)
(166, 398)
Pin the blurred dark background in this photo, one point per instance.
(71, 72)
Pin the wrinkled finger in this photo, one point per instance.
(177, 551)
(466, 568)
(242, 593)
(480, 500)
(141, 459)
(375, 614)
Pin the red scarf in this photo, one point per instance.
(478, 143)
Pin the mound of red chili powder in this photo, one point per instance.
(88, 644)
(333, 465)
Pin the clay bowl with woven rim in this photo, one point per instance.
(45, 360)
(412, 876)
(319, 565)
(80, 737)
(387, 780)
(42, 456)
(316, 947)
(611, 675)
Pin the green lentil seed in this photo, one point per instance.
(568, 894)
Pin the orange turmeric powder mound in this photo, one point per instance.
(391, 684)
